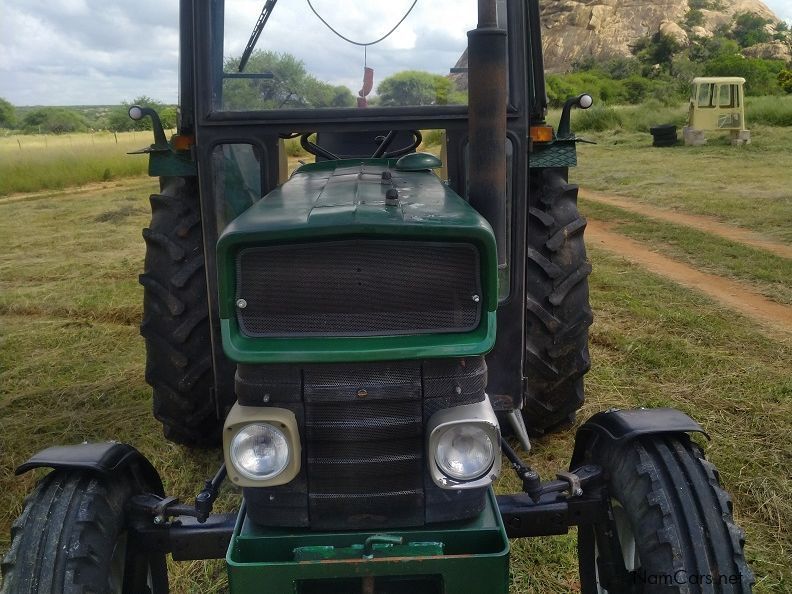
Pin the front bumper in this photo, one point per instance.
(474, 559)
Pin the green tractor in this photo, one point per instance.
(359, 335)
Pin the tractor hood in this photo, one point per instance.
(358, 204)
(350, 197)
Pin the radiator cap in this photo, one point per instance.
(418, 162)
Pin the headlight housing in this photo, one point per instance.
(261, 446)
(464, 446)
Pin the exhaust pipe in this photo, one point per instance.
(487, 99)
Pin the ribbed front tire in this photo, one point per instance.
(71, 537)
(672, 522)
(557, 301)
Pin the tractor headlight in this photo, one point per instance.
(464, 445)
(260, 451)
(262, 446)
(464, 452)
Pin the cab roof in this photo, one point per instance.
(701, 80)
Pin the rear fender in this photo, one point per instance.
(622, 426)
(111, 459)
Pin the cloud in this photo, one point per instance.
(73, 52)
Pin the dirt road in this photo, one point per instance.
(732, 294)
(699, 222)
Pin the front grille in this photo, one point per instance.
(362, 429)
(358, 288)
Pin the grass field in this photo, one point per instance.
(71, 358)
(30, 163)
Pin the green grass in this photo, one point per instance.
(771, 275)
(72, 365)
(31, 163)
(746, 186)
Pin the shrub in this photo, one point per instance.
(53, 120)
(761, 76)
(598, 119)
(785, 80)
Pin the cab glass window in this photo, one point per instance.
(705, 95)
(307, 54)
(727, 96)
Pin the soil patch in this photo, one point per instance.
(700, 222)
(729, 293)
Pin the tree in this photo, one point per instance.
(761, 76)
(290, 86)
(711, 49)
(7, 114)
(749, 29)
(415, 87)
(54, 120)
(659, 50)
(785, 80)
(118, 119)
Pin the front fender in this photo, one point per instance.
(622, 426)
(110, 459)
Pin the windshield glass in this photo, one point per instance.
(417, 56)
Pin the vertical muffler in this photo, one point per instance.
(487, 100)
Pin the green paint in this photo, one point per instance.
(337, 200)
(418, 162)
(560, 153)
(171, 163)
(474, 558)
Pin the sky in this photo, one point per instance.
(98, 52)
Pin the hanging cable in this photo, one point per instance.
(352, 41)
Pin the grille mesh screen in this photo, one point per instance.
(358, 288)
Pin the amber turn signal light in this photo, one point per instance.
(182, 143)
(541, 133)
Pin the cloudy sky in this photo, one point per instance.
(93, 52)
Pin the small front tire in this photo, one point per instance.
(670, 526)
(71, 538)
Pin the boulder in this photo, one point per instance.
(577, 29)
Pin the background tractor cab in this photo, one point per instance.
(717, 104)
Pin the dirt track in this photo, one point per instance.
(700, 222)
(730, 293)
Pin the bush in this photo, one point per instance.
(785, 80)
(597, 119)
(761, 76)
(749, 29)
(53, 120)
(7, 114)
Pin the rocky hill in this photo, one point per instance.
(576, 29)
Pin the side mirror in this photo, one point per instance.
(583, 101)
(137, 113)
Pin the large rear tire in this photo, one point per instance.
(179, 364)
(557, 301)
(671, 528)
(71, 539)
